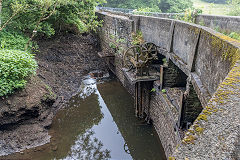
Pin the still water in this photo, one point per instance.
(99, 123)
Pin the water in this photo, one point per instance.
(99, 124)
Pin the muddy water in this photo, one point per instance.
(99, 124)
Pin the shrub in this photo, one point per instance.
(15, 67)
(235, 7)
(234, 35)
(48, 16)
(13, 40)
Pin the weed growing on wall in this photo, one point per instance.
(15, 67)
(137, 38)
(190, 15)
(116, 43)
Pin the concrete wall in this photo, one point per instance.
(224, 23)
(204, 55)
(156, 27)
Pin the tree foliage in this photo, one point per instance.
(175, 6)
(235, 7)
(152, 5)
(45, 16)
(22, 20)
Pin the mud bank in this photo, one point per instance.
(26, 116)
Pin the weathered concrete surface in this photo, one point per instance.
(215, 134)
(215, 57)
(158, 27)
(206, 57)
(224, 23)
(185, 40)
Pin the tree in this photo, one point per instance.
(175, 6)
(153, 5)
(45, 16)
(235, 7)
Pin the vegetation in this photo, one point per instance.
(22, 20)
(175, 6)
(137, 38)
(13, 40)
(190, 15)
(15, 67)
(151, 5)
(46, 16)
(212, 8)
(235, 7)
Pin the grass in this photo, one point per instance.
(210, 8)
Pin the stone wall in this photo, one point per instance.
(205, 57)
(121, 27)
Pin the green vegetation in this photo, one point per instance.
(211, 8)
(164, 91)
(117, 44)
(137, 38)
(13, 40)
(235, 7)
(15, 67)
(23, 20)
(234, 35)
(190, 15)
(46, 17)
(169, 6)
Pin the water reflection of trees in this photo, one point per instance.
(88, 147)
(73, 134)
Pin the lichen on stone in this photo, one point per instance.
(202, 117)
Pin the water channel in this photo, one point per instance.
(99, 123)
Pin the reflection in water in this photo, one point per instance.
(98, 124)
(87, 147)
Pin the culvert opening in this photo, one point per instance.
(173, 88)
(192, 107)
(180, 97)
(174, 77)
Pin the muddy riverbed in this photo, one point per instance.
(98, 123)
(63, 61)
(91, 119)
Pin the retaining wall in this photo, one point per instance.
(223, 23)
(207, 58)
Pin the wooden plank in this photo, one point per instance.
(180, 109)
(134, 79)
(161, 77)
(136, 99)
(105, 54)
